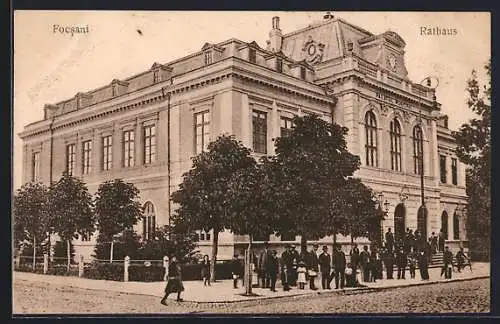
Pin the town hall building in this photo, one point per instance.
(144, 129)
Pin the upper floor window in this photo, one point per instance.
(208, 57)
(395, 134)
(302, 73)
(128, 148)
(252, 55)
(107, 152)
(454, 176)
(202, 131)
(70, 158)
(371, 139)
(149, 144)
(442, 168)
(418, 150)
(259, 123)
(148, 221)
(279, 65)
(286, 126)
(35, 174)
(204, 236)
(86, 157)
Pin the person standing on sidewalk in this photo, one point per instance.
(412, 262)
(235, 270)
(389, 263)
(273, 269)
(389, 240)
(365, 263)
(293, 267)
(286, 267)
(355, 260)
(325, 261)
(339, 264)
(262, 267)
(441, 241)
(401, 261)
(447, 263)
(312, 266)
(174, 283)
(423, 265)
(205, 270)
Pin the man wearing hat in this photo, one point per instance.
(295, 263)
(325, 261)
(313, 266)
(262, 266)
(286, 266)
(339, 264)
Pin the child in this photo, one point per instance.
(301, 272)
(350, 276)
(412, 261)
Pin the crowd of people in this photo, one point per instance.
(300, 269)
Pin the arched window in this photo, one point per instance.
(371, 139)
(148, 221)
(444, 224)
(418, 149)
(395, 132)
(456, 226)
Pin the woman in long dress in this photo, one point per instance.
(205, 270)
(174, 283)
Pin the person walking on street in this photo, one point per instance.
(389, 240)
(205, 270)
(174, 282)
(339, 264)
(273, 269)
(423, 265)
(401, 261)
(313, 266)
(365, 263)
(262, 267)
(447, 263)
(325, 261)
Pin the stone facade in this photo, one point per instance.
(299, 73)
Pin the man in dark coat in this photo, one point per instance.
(313, 266)
(286, 267)
(262, 266)
(401, 262)
(389, 240)
(295, 262)
(325, 261)
(423, 265)
(461, 257)
(273, 269)
(365, 263)
(339, 264)
(389, 263)
(447, 263)
(441, 241)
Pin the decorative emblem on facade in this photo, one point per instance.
(385, 110)
(391, 62)
(313, 51)
(406, 116)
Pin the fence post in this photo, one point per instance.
(80, 266)
(165, 265)
(125, 268)
(45, 263)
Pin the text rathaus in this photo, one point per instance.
(145, 128)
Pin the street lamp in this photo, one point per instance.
(384, 210)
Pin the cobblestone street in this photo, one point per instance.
(466, 296)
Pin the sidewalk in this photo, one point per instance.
(223, 292)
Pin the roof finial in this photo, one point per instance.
(328, 16)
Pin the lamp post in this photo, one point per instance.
(385, 210)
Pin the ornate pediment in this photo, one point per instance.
(313, 51)
(394, 38)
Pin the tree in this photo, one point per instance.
(71, 210)
(116, 210)
(61, 251)
(31, 219)
(317, 195)
(202, 195)
(474, 148)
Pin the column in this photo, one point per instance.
(246, 137)
(274, 129)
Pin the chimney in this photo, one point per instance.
(275, 36)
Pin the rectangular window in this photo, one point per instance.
(454, 177)
(442, 168)
(208, 57)
(259, 123)
(279, 65)
(252, 55)
(302, 73)
(286, 126)
(149, 144)
(70, 159)
(107, 152)
(202, 131)
(86, 157)
(128, 149)
(35, 174)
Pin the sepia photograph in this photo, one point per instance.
(251, 162)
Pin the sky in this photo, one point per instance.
(51, 66)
